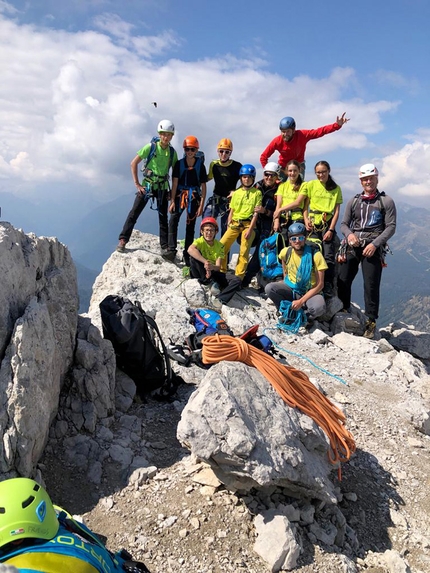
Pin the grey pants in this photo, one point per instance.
(279, 291)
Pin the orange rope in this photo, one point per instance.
(292, 385)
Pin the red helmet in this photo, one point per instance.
(209, 221)
(191, 141)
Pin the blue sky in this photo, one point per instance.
(78, 79)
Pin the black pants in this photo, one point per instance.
(198, 271)
(329, 251)
(371, 268)
(138, 206)
(190, 225)
(234, 285)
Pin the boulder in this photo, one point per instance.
(403, 337)
(38, 319)
(237, 423)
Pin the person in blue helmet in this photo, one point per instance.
(304, 268)
(36, 537)
(242, 219)
(291, 143)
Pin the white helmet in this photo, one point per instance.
(166, 125)
(272, 167)
(367, 170)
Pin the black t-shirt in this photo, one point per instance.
(187, 175)
(225, 178)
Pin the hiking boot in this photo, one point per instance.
(169, 256)
(215, 289)
(121, 246)
(369, 329)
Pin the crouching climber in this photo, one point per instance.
(206, 254)
(304, 268)
(36, 537)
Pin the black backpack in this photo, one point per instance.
(139, 348)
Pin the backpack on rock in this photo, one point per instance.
(139, 348)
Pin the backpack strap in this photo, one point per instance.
(153, 149)
(196, 166)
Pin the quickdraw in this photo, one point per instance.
(186, 202)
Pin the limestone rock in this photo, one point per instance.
(275, 542)
(38, 318)
(403, 337)
(251, 438)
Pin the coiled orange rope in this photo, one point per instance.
(292, 385)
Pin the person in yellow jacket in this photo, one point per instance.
(242, 219)
(290, 199)
(322, 208)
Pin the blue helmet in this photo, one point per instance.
(296, 229)
(248, 169)
(287, 123)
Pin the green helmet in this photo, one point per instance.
(26, 511)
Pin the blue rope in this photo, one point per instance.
(303, 357)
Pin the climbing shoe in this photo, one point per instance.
(369, 329)
(121, 246)
(215, 290)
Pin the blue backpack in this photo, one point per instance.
(207, 321)
(75, 547)
(270, 265)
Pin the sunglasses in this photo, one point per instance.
(190, 148)
(297, 238)
(225, 151)
(269, 174)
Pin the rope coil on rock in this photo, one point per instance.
(291, 384)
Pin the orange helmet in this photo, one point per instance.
(209, 221)
(225, 144)
(191, 141)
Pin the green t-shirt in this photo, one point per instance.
(160, 163)
(244, 201)
(210, 253)
(288, 194)
(322, 200)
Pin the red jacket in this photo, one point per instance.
(296, 147)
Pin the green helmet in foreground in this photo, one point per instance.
(26, 511)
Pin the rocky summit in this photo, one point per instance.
(226, 476)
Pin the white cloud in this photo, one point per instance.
(75, 107)
(407, 171)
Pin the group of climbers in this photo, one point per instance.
(304, 212)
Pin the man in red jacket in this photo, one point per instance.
(291, 144)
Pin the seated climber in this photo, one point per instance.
(206, 254)
(37, 537)
(304, 268)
